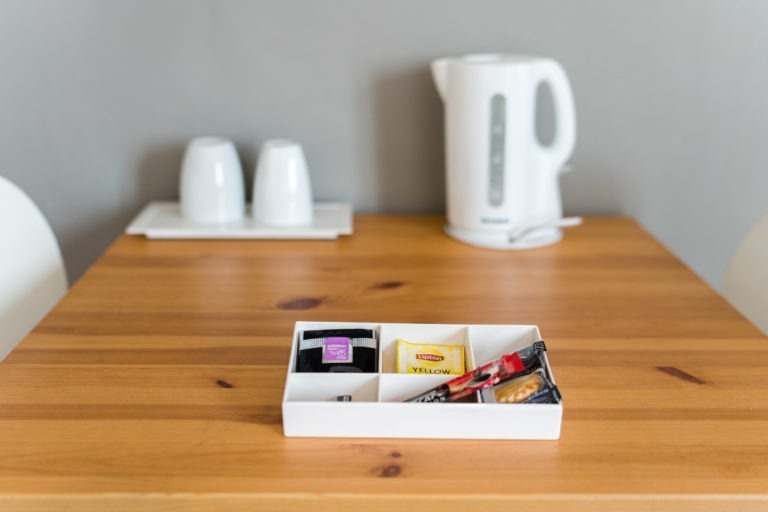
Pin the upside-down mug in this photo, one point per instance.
(211, 185)
(282, 192)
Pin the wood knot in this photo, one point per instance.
(388, 285)
(224, 384)
(395, 455)
(390, 471)
(301, 303)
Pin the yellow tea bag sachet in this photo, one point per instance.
(430, 359)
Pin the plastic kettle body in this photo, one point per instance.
(503, 186)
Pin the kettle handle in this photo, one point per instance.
(552, 73)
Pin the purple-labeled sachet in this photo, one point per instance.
(337, 351)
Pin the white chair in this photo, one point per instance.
(746, 280)
(32, 275)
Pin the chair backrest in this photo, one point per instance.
(746, 280)
(32, 275)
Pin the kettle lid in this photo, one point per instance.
(492, 59)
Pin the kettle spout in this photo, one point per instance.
(440, 76)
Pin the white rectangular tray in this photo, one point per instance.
(163, 219)
(377, 409)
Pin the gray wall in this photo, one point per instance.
(98, 97)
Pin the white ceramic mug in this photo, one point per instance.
(282, 192)
(211, 188)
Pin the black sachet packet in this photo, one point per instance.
(337, 351)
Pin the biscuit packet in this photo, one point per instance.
(531, 388)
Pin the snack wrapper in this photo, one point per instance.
(508, 366)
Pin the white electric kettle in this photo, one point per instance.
(503, 186)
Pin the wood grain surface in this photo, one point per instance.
(156, 383)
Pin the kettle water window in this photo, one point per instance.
(545, 115)
(496, 151)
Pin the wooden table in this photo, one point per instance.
(156, 383)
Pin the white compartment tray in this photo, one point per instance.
(163, 219)
(377, 408)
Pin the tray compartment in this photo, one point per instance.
(397, 387)
(325, 387)
(439, 334)
(312, 326)
(489, 342)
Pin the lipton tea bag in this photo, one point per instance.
(429, 358)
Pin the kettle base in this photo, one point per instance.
(500, 240)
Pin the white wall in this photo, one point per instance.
(98, 97)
